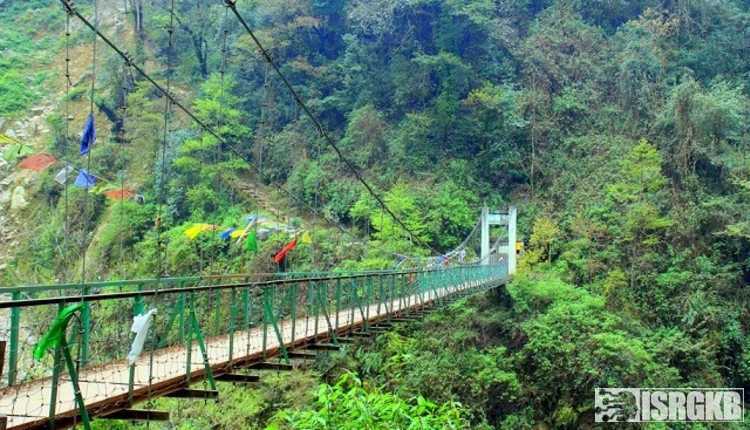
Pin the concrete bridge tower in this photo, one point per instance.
(507, 219)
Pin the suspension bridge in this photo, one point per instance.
(204, 329)
(104, 347)
(224, 328)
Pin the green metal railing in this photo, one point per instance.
(20, 292)
(229, 318)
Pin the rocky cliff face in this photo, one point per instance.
(16, 186)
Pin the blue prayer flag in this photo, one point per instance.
(226, 234)
(85, 180)
(89, 135)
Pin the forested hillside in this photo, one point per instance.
(620, 130)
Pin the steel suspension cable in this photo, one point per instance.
(161, 251)
(123, 174)
(455, 250)
(162, 179)
(84, 319)
(220, 121)
(66, 138)
(232, 4)
(88, 153)
(125, 56)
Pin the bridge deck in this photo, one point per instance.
(105, 388)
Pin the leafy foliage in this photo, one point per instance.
(618, 128)
(350, 405)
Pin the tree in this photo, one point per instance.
(411, 144)
(574, 344)
(365, 136)
(497, 137)
(401, 199)
(700, 123)
(206, 165)
(544, 234)
(450, 214)
(639, 224)
(136, 8)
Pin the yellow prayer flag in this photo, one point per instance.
(7, 140)
(237, 234)
(197, 229)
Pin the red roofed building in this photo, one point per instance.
(120, 194)
(37, 162)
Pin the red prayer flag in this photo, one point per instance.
(281, 255)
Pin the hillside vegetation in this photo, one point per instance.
(618, 128)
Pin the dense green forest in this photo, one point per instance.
(619, 129)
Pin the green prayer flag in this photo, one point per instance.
(15, 151)
(251, 243)
(56, 331)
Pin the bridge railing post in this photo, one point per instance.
(368, 297)
(427, 279)
(86, 328)
(181, 316)
(420, 287)
(352, 302)
(325, 309)
(15, 327)
(138, 309)
(57, 364)
(265, 322)
(215, 327)
(293, 299)
(246, 315)
(379, 291)
(410, 290)
(391, 287)
(400, 286)
(338, 301)
(232, 322)
(434, 286)
(188, 344)
(315, 291)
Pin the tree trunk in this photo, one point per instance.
(201, 53)
(112, 116)
(137, 9)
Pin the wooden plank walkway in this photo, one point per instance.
(105, 388)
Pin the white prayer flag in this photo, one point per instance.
(141, 324)
(62, 176)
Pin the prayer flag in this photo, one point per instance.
(62, 176)
(251, 243)
(226, 234)
(281, 255)
(15, 151)
(56, 332)
(85, 180)
(89, 135)
(7, 140)
(237, 234)
(141, 324)
(197, 229)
